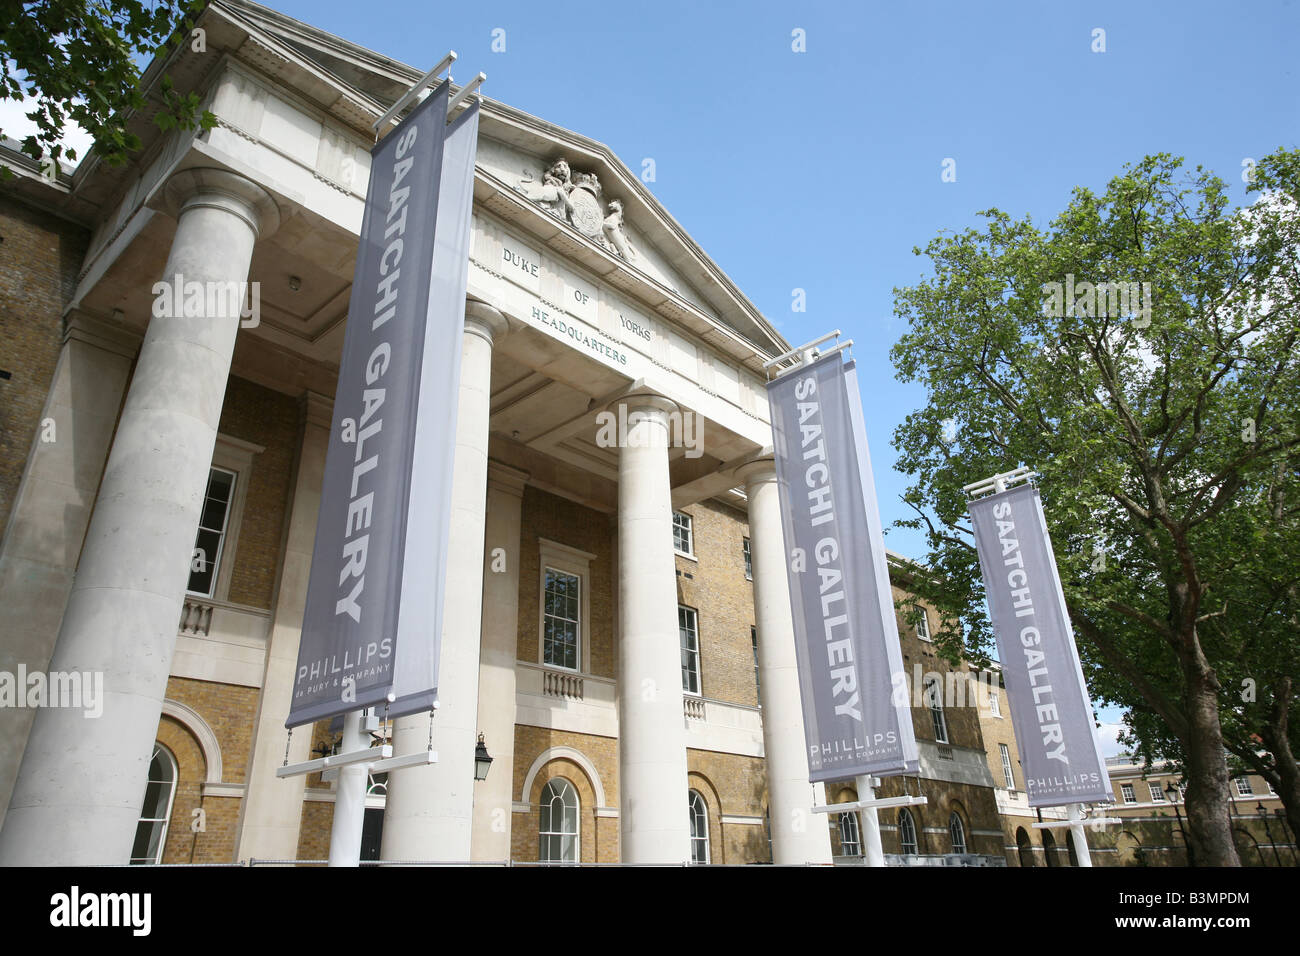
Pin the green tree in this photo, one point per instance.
(1254, 641)
(1154, 431)
(79, 60)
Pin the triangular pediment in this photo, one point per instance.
(606, 221)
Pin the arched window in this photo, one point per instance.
(1069, 847)
(907, 832)
(1024, 848)
(151, 831)
(558, 827)
(1049, 849)
(850, 841)
(958, 833)
(699, 828)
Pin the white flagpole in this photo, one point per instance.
(872, 849)
(1080, 837)
(350, 797)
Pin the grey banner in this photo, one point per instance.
(419, 623)
(1050, 709)
(348, 647)
(846, 637)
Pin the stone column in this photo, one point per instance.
(52, 508)
(79, 791)
(798, 835)
(494, 796)
(429, 810)
(653, 818)
(272, 807)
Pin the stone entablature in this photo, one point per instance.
(541, 290)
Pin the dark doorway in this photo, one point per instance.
(372, 833)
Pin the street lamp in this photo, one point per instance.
(1172, 791)
(1263, 815)
(482, 760)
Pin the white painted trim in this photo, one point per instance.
(742, 820)
(688, 555)
(569, 560)
(374, 801)
(565, 551)
(554, 753)
(236, 790)
(607, 812)
(233, 455)
(166, 818)
(189, 718)
(518, 807)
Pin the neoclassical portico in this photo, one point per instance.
(77, 796)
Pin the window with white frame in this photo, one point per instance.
(957, 832)
(934, 698)
(211, 537)
(159, 792)
(1126, 791)
(907, 832)
(212, 560)
(1244, 788)
(995, 702)
(1007, 773)
(758, 684)
(558, 824)
(682, 540)
(699, 828)
(561, 619)
(922, 624)
(1157, 794)
(687, 626)
(850, 835)
(563, 612)
(749, 560)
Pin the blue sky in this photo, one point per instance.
(821, 170)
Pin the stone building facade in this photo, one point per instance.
(618, 622)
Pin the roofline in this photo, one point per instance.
(260, 15)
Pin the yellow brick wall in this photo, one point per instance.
(716, 586)
(271, 419)
(734, 785)
(229, 710)
(211, 837)
(314, 833)
(598, 836)
(545, 515)
(40, 255)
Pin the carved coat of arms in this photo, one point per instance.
(576, 199)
